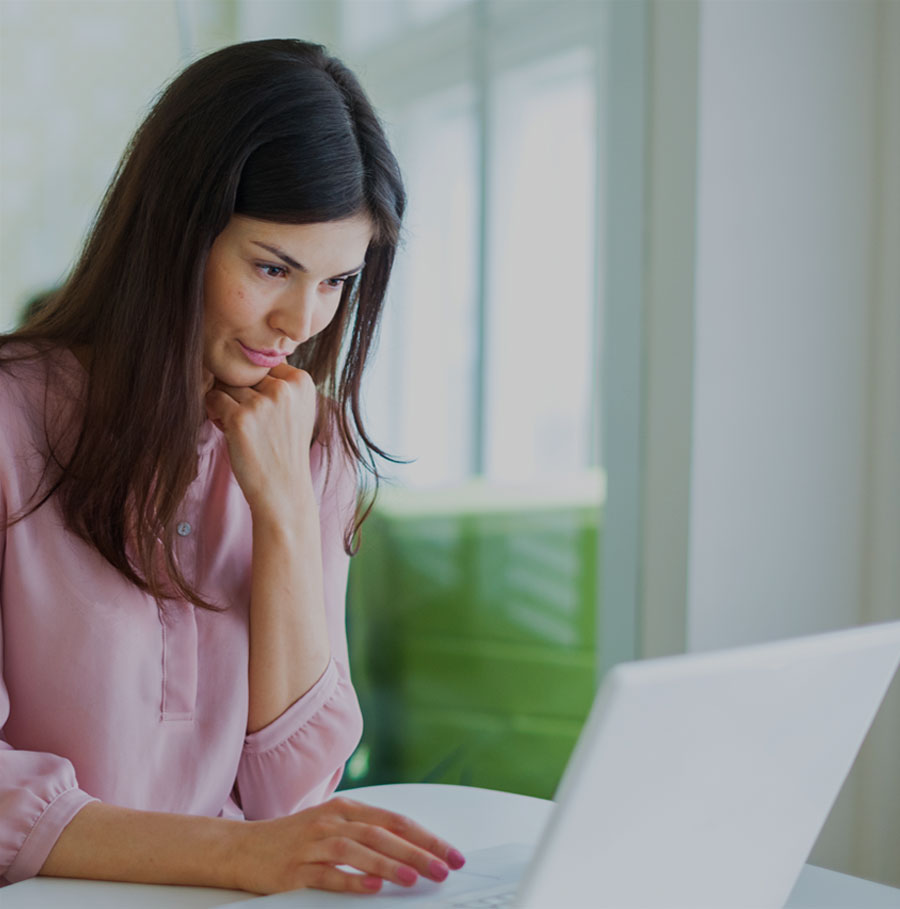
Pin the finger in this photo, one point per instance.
(382, 841)
(240, 393)
(327, 877)
(401, 826)
(220, 406)
(270, 387)
(342, 850)
(284, 371)
(296, 378)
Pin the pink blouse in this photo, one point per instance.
(104, 696)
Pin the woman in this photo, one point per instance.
(178, 497)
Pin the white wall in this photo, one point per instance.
(784, 518)
(877, 844)
(783, 284)
(791, 493)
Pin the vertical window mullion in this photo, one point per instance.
(481, 76)
(599, 27)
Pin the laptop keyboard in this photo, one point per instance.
(491, 901)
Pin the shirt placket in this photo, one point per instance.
(178, 618)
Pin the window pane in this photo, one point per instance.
(366, 24)
(429, 10)
(540, 270)
(421, 387)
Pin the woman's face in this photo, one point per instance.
(269, 287)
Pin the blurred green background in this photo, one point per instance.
(472, 623)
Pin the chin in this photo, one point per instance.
(245, 378)
(236, 375)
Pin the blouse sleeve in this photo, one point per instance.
(39, 793)
(298, 759)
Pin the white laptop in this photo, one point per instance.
(699, 780)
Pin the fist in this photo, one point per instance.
(268, 428)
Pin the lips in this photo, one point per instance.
(267, 358)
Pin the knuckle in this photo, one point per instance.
(436, 845)
(374, 837)
(341, 847)
(305, 384)
(340, 804)
(316, 875)
(386, 868)
(320, 827)
(400, 825)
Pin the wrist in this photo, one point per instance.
(108, 842)
(236, 859)
(290, 508)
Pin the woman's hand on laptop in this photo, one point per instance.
(304, 850)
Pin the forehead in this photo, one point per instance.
(322, 245)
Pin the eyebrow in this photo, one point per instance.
(281, 254)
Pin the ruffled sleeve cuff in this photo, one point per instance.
(44, 833)
(297, 760)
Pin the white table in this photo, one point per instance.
(467, 817)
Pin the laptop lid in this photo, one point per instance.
(702, 780)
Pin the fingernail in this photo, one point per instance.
(438, 870)
(455, 859)
(371, 883)
(407, 875)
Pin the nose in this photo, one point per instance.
(295, 315)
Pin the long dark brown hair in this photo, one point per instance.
(276, 130)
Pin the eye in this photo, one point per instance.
(335, 283)
(272, 271)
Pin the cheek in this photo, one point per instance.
(229, 304)
(325, 315)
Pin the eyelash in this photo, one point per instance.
(332, 283)
(339, 282)
(266, 269)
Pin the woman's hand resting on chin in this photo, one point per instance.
(268, 428)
